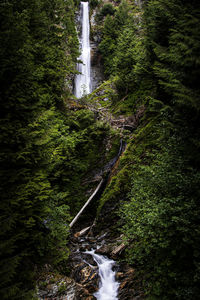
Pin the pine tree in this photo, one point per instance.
(32, 76)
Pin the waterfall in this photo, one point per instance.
(82, 81)
(108, 288)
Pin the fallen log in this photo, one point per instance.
(117, 250)
(86, 204)
(82, 232)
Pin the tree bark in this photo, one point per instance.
(86, 204)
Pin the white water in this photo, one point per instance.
(82, 81)
(108, 288)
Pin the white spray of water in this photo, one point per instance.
(82, 81)
(108, 288)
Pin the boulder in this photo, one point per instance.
(86, 276)
(67, 289)
(63, 288)
(130, 287)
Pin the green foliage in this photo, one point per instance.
(119, 185)
(161, 223)
(93, 3)
(124, 53)
(156, 64)
(111, 30)
(129, 61)
(174, 47)
(107, 46)
(107, 9)
(105, 94)
(34, 67)
(47, 152)
(79, 153)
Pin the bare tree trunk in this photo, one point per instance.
(86, 204)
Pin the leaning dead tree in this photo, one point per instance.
(86, 204)
(107, 168)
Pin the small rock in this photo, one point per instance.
(89, 259)
(119, 275)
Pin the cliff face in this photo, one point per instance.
(96, 66)
(97, 74)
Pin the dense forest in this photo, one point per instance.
(52, 142)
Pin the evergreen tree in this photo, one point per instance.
(157, 66)
(32, 76)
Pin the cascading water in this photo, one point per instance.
(82, 81)
(108, 288)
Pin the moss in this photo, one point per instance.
(141, 143)
(62, 287)
(105, 94)
(43, 284)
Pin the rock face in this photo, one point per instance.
(96, 66)
(84, 268)
(62, 288)
(129, 288)
(68, 289)
(87, 277)
(97, 75)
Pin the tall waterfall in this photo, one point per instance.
(82, 81)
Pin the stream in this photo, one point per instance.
(92, 274)
(108, 286)
(85, 246)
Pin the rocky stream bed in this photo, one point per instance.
(84, 278)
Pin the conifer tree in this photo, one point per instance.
(32, 76)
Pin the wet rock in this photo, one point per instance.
(83, 294)
(119, 275)
(85, 270)
(97, 73)
(104, 250)
(85, 247)
(66, 288)
(87, 276)
(129, 288)
(62, 288)
(89, 259)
